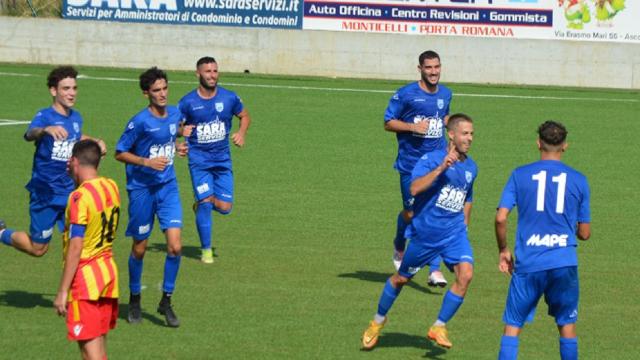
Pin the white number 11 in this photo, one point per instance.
(541, 178)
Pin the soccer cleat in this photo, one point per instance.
(397, 259)
(207, 256)
(370, 336)
(2, 225)
(165, 308)
(437, 279)
(194, 207)
(135, 312)
(440, 336)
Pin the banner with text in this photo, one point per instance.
(594, 20)
(284, 14)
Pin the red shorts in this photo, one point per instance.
(87, 319)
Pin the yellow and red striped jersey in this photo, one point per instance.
(95, 204)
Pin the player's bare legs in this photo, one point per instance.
(93, 349)
(22, 241)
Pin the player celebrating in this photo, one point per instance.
(54, 130)
(210, 108)
(88, 292)
(553, 209)
(147, 147)
(417, 113)
(442, 183)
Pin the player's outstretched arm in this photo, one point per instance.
(245, 121)
(157, 163)
(506, 260)
(56, 131)
(401, 126)
(71, 262)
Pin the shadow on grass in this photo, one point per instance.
(188, 251)
(394, 340)
(24, 300)
(124, 308)
(382, 278)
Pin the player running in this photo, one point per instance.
(442, 184)
(418, 114)
(147, 147)
(210, 109)
(553, 210)
(54, 130)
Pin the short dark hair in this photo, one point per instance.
(206, 60)
(429, 54)
(150, 76)
(87, 152)
(60, 73)
(552, 135)
(457, 118)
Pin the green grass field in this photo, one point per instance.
(304, 255)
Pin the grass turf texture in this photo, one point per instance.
(304, 255)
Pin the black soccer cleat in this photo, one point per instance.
(165, 308)
(135, 312)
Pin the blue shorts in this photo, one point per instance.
(214, 181)
(161, 200)
(454, 250)
(45, 211)
(560, 289)
(405, 190)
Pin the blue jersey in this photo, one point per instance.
(551, 198)
(438, 211)
(149, 136)
(49, 173)
(209, 140)
(412, 105)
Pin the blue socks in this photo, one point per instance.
(135, 275)
(435, 264)
(508, 348)
(450, 304)
(171, 267)
(6, 236)
(569, 348)
(399, 241)
(204, 223)
(388, 296)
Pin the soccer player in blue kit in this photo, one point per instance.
(147, 147)
(553, 210)
(210, 108)
(442, 184)
(418, 114)
(54, 131)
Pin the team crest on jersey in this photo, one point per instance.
(468, 175)
(130, 126)
(440, 104)
(76, 127)
(219, 106)
(172, 129)
(77, 329)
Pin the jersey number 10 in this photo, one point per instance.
(109, 227)
(541, 178)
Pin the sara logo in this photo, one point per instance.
(219, 106)
(127, 4)
(548, 240)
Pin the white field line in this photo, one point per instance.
(8, 122)
(292, 87)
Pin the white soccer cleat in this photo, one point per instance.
(397, 259)
(437, 279)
